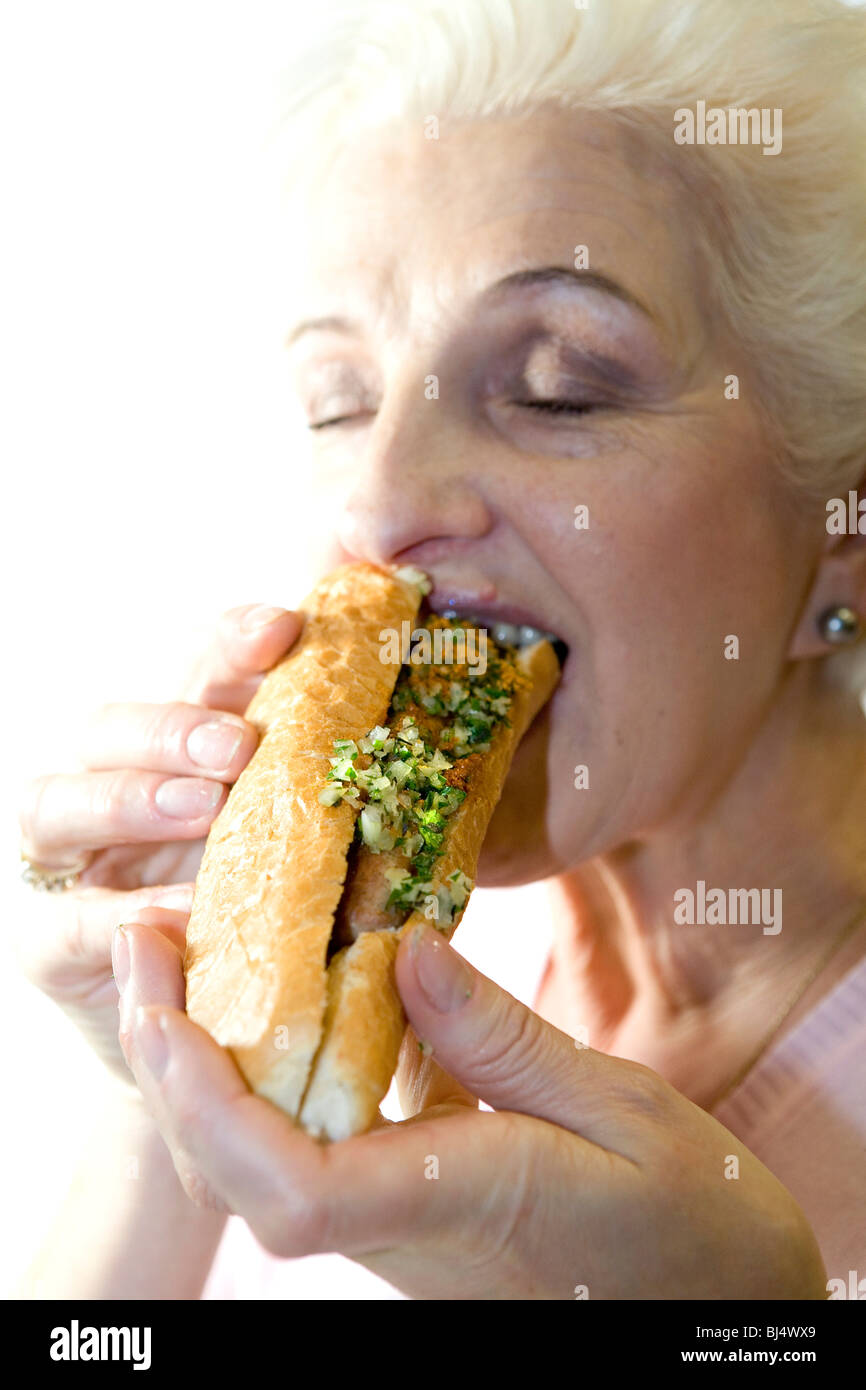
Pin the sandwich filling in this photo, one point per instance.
(407, 777)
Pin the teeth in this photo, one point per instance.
(530, 635)
(509, 634)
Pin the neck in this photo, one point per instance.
(695, 1001)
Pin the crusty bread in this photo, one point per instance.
(365, 1019)
(275, 858)
(361, 1037)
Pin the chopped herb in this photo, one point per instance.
(406, 795)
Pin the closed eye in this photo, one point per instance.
(556, 407)
(327, 424)
(549, 407)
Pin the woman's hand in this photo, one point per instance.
(592, 1178)
(153, 778)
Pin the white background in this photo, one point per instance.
(153, 470)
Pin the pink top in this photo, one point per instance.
(801, 1110)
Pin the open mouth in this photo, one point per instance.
(509, 634)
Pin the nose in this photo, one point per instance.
(414, 482)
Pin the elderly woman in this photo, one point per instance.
(580, 330)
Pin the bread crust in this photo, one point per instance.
(361, 1037)
(275, 859)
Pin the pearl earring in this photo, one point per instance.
(840, 625)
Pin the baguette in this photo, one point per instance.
(281, 966)
(275, 858)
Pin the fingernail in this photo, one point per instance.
(187, 798)
(443, 975)
(214, 744)
(120, 958)
(151, 1041)
(260, 616)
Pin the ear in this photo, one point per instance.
(840, 578)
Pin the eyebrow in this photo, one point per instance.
(566, 275)
(519, 279)
(332, 323)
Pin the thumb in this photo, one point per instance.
(506, 1054)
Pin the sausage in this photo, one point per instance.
(364, 904)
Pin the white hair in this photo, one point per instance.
(784, 238)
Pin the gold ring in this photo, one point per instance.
(46, 880)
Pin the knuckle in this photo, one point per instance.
(115, 795)
(166, 729)
(230, 618)
(514, 1047)
(230, 629)
(647, 1093)
(296, 1223)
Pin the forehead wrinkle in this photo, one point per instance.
(513, 204)
(418, 280)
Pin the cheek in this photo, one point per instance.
(681, 604)
(686, 607)
(668, 558)
(702, 568)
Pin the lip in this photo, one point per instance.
(487, 609)
(465, 604)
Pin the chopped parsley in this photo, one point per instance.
(402, 789)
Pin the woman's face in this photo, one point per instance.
(469, 389)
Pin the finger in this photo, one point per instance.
(148, 964)
(147, 967)
(67, 812)
(299, 1197)
(70, 959)
(176, 737)
(514, 1060)
(422, 1083)
(249, 640)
